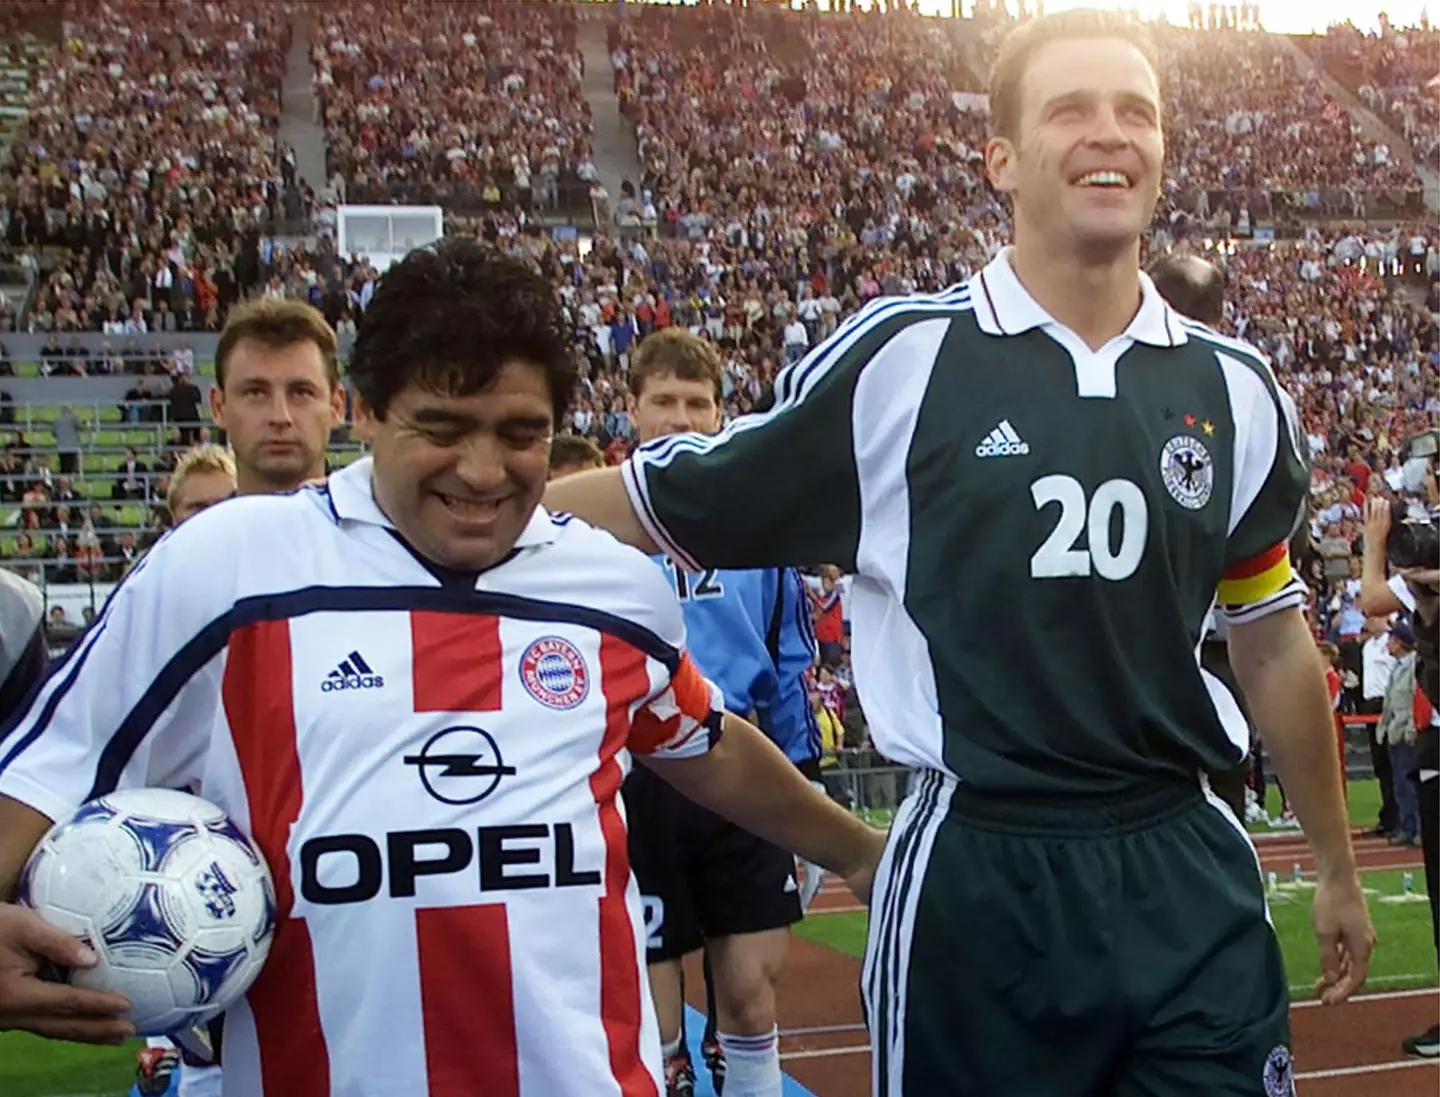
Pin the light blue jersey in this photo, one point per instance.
(750, 633)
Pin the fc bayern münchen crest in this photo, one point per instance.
(1188, 471)
(554, 673)
(1279, 1073)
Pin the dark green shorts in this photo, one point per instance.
(1073, 949)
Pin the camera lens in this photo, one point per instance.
(1413, 545)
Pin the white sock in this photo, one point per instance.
(752, 1064)
(671, 1049)
(814, 881)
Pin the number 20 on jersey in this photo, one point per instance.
(1058, 558)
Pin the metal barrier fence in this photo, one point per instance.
(865, 787)
(873, 788)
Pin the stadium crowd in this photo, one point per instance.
(1391, 74)
(473, 106)
(1242, 118)
(148, 164)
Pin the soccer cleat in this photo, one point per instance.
(1426, 1045)
(153, 1070)
(714, 1056)
(679, 1077)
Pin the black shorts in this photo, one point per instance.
(701, 876)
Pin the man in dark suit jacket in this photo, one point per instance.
(130, 478)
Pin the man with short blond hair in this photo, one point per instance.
(203, 477)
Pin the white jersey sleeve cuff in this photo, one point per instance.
(632, 474)
(20, 786)
(1402, 592)
(1292, 594)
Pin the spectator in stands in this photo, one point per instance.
(1377, 665)
(131, 478)
(277, 393)
(24, 559)
(133, 406)
(826, 594)
(126, 554)
(60, 564)
(185, 409)
(67, 440)
(1396, 731)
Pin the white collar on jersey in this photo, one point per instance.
(353, 501)
(1004, 307)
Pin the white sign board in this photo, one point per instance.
(386, 234)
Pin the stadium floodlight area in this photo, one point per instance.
(386, 234)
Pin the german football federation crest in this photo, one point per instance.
(554, 673)
(1188, 471)
(1279, 1073)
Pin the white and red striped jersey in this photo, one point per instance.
(430, 762)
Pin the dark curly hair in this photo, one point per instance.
(448, 317)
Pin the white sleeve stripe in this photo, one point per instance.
(1255, 434)
(1292, 594)
(639, 492)
(955, 297)
(797, 381)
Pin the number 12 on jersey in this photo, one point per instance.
(700, 587)
(1058, 557)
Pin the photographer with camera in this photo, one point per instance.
(1403, 537)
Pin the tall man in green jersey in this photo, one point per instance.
(1042, 482)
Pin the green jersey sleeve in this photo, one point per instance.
(775, 489)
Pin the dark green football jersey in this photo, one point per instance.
(1037, 530)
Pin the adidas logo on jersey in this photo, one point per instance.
(1003, 442)
(353, 673)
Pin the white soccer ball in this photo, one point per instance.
(176, 901)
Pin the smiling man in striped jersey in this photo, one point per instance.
(1064, 909)
(506, 644)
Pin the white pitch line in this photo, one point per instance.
(1346, 1072)
(1386, 996)
(820, 1030)
(1303, 1076)
(825, 1052)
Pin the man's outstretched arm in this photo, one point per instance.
(599, 497)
